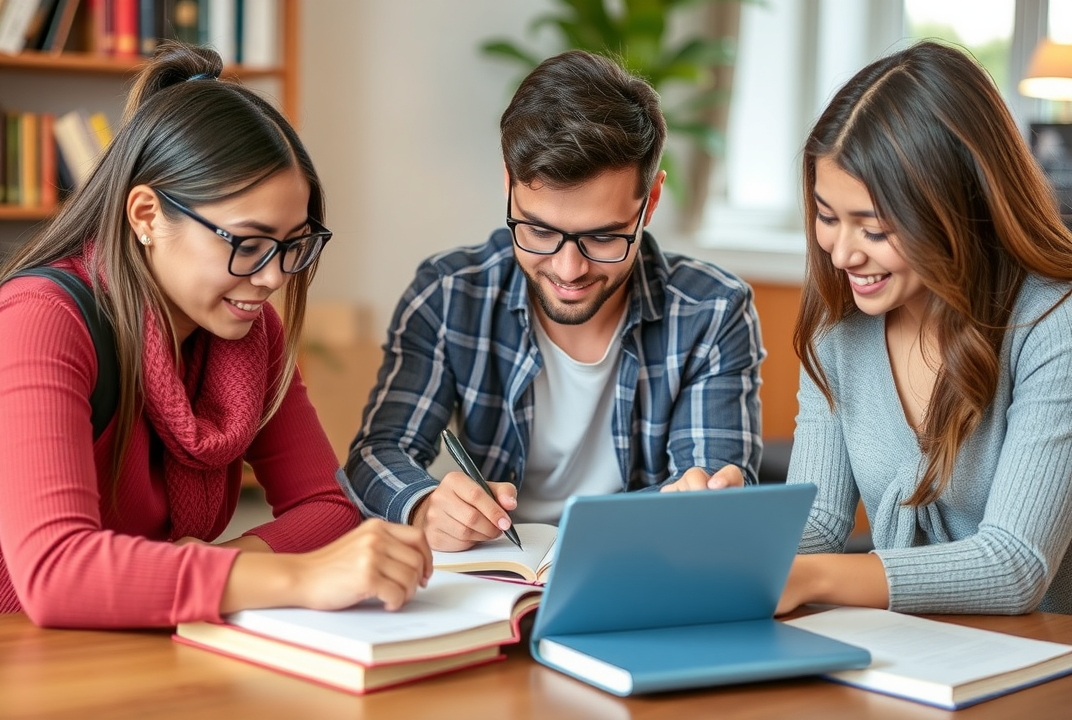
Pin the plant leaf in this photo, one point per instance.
(704, 101)
(674, 182)
(506, 49)
(706, 137)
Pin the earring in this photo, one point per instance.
(145, 239)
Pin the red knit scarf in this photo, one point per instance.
(206, 418)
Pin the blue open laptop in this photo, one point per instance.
(651, 592)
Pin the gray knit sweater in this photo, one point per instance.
(997, 540)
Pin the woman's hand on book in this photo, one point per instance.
(377, 559)
(698, 479)
(459, 514)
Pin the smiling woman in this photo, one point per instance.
(178, 229)
(249, 253)
(210, 285)
(937, 361)
(849, 230)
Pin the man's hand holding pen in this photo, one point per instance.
(465, 508)
(459, 514)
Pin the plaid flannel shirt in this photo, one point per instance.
(461, 342)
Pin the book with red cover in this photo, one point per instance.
(458, 621)
(100, 27)
(125, 25)
(49, 171)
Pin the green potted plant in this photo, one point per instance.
(636, 33)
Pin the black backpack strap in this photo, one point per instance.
(105, 395)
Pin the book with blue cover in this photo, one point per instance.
(652, 592)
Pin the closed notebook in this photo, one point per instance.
(652, 592)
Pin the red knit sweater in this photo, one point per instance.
(72, 553)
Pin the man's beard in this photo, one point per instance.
(576, 313)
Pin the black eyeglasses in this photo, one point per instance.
(250, 253)
(545, 240)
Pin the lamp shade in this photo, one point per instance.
(1049, 75)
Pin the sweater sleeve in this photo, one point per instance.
(297, 467)
(1008, 564)
(820, 457)
(62, 566)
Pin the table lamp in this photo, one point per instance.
(1049, 75)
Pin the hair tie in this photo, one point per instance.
(203, 76)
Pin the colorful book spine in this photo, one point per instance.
(78, 145)
(16, 17)
(49, 170)
(38, 28)
(59, 26)
(30, 161)
(151, 17)
(102, 129)
(239, 21)
(100, 35)
(260, 33)
(12, 157)
(125, 22)
(3, 158)
(221, 32)
(186, 20)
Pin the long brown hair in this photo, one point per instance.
(927, 133)
(200, 140)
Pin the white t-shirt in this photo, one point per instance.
(572, 447)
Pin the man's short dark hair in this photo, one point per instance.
(578, 115)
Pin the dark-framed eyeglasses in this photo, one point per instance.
(250, 253)
(597, 246)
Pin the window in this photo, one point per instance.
(985, 31)
(792, 56)
(1060, 21)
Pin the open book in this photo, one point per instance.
(457, 621)
(937, 663)
(500, 556)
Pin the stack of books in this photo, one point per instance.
(458, 621)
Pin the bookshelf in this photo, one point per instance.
(33, 80)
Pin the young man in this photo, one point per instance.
(577, 358)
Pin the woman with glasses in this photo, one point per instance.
(204, 205)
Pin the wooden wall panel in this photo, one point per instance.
(777, 306)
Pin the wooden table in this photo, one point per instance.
(144, 675)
